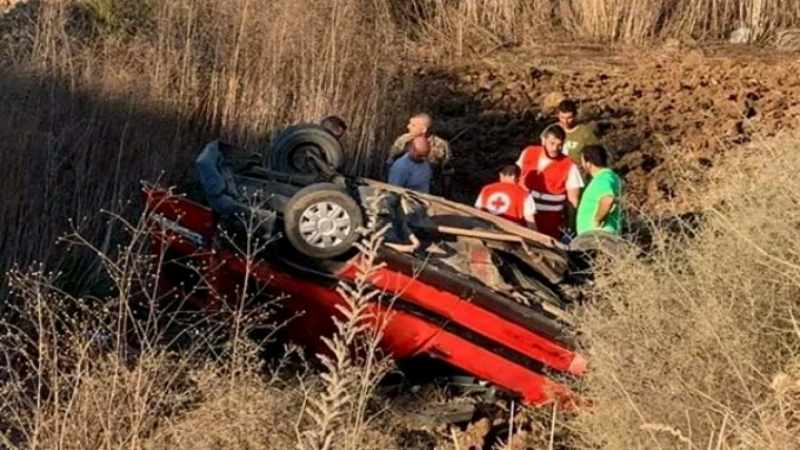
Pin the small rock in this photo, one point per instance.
(741, 35)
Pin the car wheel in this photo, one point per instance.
(288, 152)
(322, 221)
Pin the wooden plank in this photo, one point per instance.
(538, 259)
(505, 225)
(478, 234)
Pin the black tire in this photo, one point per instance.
(287, 150)
(334, 239)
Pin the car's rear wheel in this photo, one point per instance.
(322, 221)
(290, 149)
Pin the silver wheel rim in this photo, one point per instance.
(325, 225)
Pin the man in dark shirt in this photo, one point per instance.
(413, 170)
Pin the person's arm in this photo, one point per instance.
(479, 200)
(571, 208)
(397, 148)
(529, 212)
(574, 186)
(606, 203)
(447, 169)
(521, 159)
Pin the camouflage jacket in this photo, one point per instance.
(440, 155)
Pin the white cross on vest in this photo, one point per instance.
(498, 203)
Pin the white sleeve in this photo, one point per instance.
(520, 159)
(529, 209)
(574, 179)
(479, 200)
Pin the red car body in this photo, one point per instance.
(427, 310)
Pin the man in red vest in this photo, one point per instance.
(507, 199)
(552, 180)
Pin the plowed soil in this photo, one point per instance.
(667, 115)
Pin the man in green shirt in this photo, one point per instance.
(579, 135)
(599, 208)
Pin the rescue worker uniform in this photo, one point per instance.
(509, 201)
(547, 181)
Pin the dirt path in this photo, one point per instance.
(667, 115)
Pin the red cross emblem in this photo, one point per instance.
(498, 203)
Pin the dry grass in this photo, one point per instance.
(697, 346)
(101, 94)
(96, 373)
(693, 348)
(465, 26)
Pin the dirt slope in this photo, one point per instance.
(667, 115)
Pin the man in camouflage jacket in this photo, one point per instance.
(440, 155)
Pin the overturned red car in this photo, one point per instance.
(479, 293)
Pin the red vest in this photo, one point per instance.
(506, 200)
(548, 187)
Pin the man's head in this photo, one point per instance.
(567, 111)
(420, 124)
(552, 139)
(594, 158)
(335, 125)
(509, 174)
(418, 149)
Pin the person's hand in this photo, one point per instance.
(414, 241)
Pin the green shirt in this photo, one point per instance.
(577, 139)
(604, 183)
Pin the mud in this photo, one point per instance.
(667, 115)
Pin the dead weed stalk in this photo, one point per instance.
(339, 413)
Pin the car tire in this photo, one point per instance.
(322, 221)
(287, 150)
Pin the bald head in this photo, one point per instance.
(420, 124)
(418, 148)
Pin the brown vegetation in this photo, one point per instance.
(100, 94)
(105, 373)
(694, 347)
(697, 345)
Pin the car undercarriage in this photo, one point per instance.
(483, 295)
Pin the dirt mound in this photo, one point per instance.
(666, 116)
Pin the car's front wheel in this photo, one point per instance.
(322, 221)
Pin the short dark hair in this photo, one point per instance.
(568, 106)
(596, 154)
(556, 131)
(510, 170)
(335, 125)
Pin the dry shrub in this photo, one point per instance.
(465, 25)
(98, 95)
(121, 371)
(236, 408)
(697, 344)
